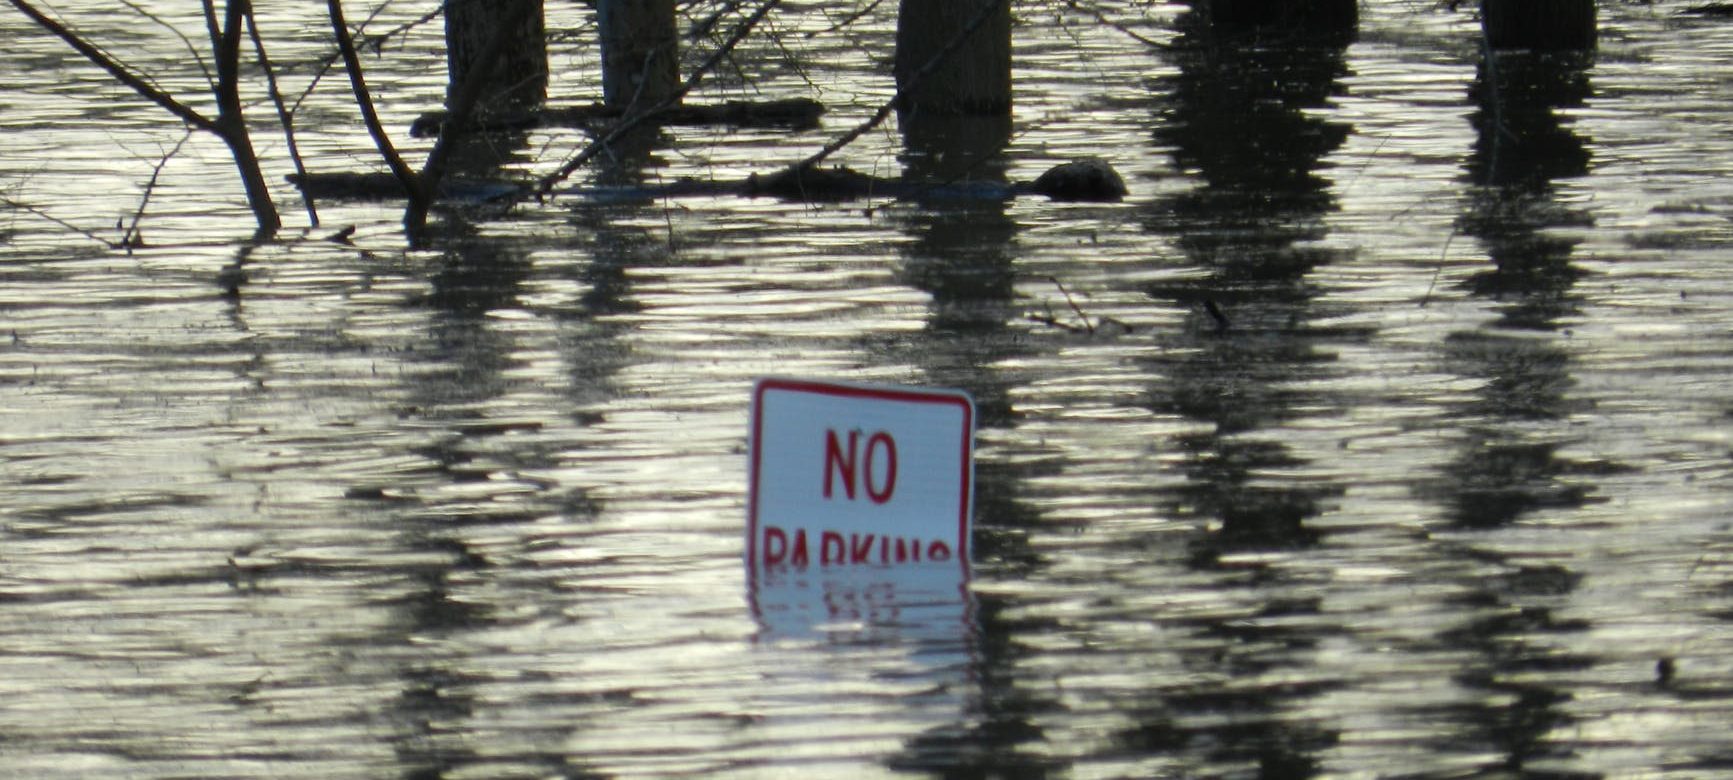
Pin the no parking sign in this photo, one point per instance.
(849, 475)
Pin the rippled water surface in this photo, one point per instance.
(1442, 492)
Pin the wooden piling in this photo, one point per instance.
(640, 51)
(954, 56)
(520, 76)
(1331, 18)
(1542, 25)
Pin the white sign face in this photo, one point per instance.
(858, 475)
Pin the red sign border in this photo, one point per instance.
(896, 393)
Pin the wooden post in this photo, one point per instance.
(640, 51)
(520, 77)
(1300, 16)
(954, 56)
(1546, 25)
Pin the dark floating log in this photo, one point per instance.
(819, 184)
(385, 186)
(1541, 25)
(1090, 179)
(1087, 180)
(791, 114)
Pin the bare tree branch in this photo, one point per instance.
(34, 211)
(703, 27)
(369, 116)
(120, 72)
(420, 187)
(231, 123)
(21, 206)
(324, 64)
(228, 47)
(284, 115)
(211, 28)
(631, 122)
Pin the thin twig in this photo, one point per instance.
(1366, 163)
(1101, 17)
(185, 41)
(18, 205)
(847, 20)
(1087, 325)
(131, 238)
(1489, 56)
(643, 80)
(703, 27)
(1051, 321)
(789, 59)
(1443, 257)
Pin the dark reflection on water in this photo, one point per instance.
(1509, 465)
(475, 452)
(435, 702)
(997, 730)
(1241, 113)
(1521, 147)
(467, 363)
(962, 255)
(1519, 720)
(616, 241)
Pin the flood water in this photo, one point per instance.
(1440, 494)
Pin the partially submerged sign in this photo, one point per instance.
(847, 475)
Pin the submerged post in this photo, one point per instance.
(1547, 25)
(1333, 17)
(519, 77)
(1285, 16)
(954, 56)
(640, 51)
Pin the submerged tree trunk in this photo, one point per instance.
(519, 77)
(231, 123)
(954, 56)
(1550, 25)
(640, 51)
(234, 135)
